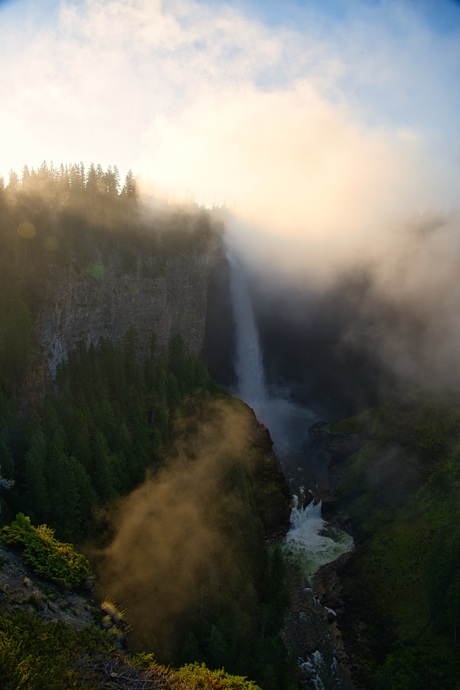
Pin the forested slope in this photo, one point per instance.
(87, 428)
(82, 258)
(401, 585)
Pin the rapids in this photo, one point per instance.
(311, 541)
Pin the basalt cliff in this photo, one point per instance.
(158, 296)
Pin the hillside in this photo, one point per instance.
(83, 259)
(53, 636)
(398, 492)
(114, 437)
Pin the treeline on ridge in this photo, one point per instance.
(70, 218)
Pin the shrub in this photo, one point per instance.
(53, 559)
(199, 677)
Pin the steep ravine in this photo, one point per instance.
(312, 627)
(165, 295)
(310, 630)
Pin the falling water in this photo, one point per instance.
(248, 363)
(310, 538)
(287, 422)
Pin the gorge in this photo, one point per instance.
(106, 411)
(310, 542)
(229, 345)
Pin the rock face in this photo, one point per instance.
(160, 295)
(22, 589)
(312, 632)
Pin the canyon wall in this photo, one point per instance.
(160, 295)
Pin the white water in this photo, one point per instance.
(312, 668)
(248, 363)
(311, 541)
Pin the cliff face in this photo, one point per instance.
(159, 295)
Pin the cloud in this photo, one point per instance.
(290, 164)
(119, 80)
(329, 137)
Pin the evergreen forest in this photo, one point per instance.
(73, 446)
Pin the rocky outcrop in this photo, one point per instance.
(312, 632)
(22, 589)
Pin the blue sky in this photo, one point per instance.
(442, 15)
(311, 114)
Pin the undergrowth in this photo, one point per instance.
(402, 584)
(55, 560)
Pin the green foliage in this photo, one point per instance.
(445, 584)
(242, 606)
(415, 667)
(15, 336)
(110, 417)
(48, 557)
(35, 654)
(402, 584)
(198, 677)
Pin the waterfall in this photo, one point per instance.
(311, 541)
(286, 421)
(248, 362)
(300, 515)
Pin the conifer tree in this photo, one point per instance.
(100, 474)
(13, 183)
(91, 180)
(129, 190)
(37, 498)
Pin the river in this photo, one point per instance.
(310, 542)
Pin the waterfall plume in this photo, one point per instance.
(249, 369)
(287, 422)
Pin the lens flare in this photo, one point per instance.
(26, 230)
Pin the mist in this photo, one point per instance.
(330, 135)
(171, 536)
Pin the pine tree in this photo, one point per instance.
(15, 337)
(129, 190)
(84, 502)
(37, 498)
(91, 180)
(26, 178)
(100, 473)
(13, 183)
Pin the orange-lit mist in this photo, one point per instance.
(168, 534)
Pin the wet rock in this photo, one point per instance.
(311, 630)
